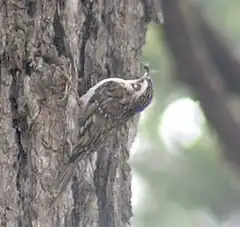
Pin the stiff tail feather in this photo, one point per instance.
(63, 180)
(65, 176)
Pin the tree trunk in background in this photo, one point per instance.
(209, 67)
(51, 52)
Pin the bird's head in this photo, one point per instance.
(120, 99)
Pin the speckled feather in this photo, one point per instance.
(107, 106)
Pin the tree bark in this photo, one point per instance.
(51, 53)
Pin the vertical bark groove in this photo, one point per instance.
(51, 52)
(24, 180)
(85, 31)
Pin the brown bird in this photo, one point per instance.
(106, 106)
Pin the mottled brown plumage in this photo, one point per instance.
(106, 106)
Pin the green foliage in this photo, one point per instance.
(186, 187)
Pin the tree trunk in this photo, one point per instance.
(51, 53)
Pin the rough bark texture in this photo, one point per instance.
(51, 52)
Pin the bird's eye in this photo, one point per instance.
(136, 86)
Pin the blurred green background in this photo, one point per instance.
(180, 178)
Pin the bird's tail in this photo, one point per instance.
(65, 175)
(63, 180)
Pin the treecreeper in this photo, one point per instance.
(106, 106)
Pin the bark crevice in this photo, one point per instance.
(85, 32)
(59, 39)
(102, 180)
(19, 124)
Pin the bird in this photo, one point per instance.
(106, 106)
